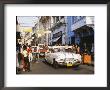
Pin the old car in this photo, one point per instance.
(58, 56)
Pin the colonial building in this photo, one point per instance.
(58, 30)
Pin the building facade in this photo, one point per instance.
(83, 28)
(70, 34)
(53, 30)
(58, 30)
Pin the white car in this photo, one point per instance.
(59, 57)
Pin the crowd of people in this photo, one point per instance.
(83, 51)
(25, 54)
(24, 57)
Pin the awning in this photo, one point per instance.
(56, 39)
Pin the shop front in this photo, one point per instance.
(85, 35)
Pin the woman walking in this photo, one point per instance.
(26, 60)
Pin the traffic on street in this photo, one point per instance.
(54, 45)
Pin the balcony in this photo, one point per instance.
(88, 21)
(62, 20)
(58, 24)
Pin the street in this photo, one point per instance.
(62, 40)
(45, 68)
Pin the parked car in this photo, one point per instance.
(57, 56)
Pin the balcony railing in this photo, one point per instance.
(58, 24)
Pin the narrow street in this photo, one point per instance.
(45, 68)
(64, 41)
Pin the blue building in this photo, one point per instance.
(83, 28)
(70, 33)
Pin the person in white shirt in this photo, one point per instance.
(30, 54)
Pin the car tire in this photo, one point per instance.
(76, 66)
(45, 61)
(55, 64)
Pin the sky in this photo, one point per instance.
(27, 21)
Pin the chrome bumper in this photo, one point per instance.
(69, 63)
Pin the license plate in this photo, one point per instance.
(69, 64)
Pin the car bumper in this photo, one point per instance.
(69, 64)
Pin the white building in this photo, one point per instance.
(52, 29)
(58, 29)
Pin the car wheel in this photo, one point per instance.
(45, 61)
(76, 66)
(55, 65)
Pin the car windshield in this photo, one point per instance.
(59, 50)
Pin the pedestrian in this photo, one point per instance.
(26, 60)
(17, 63)
(21, 49)
(73, 48)
(37, 54)
(19, 58)
(30, 54)
(78, 49)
